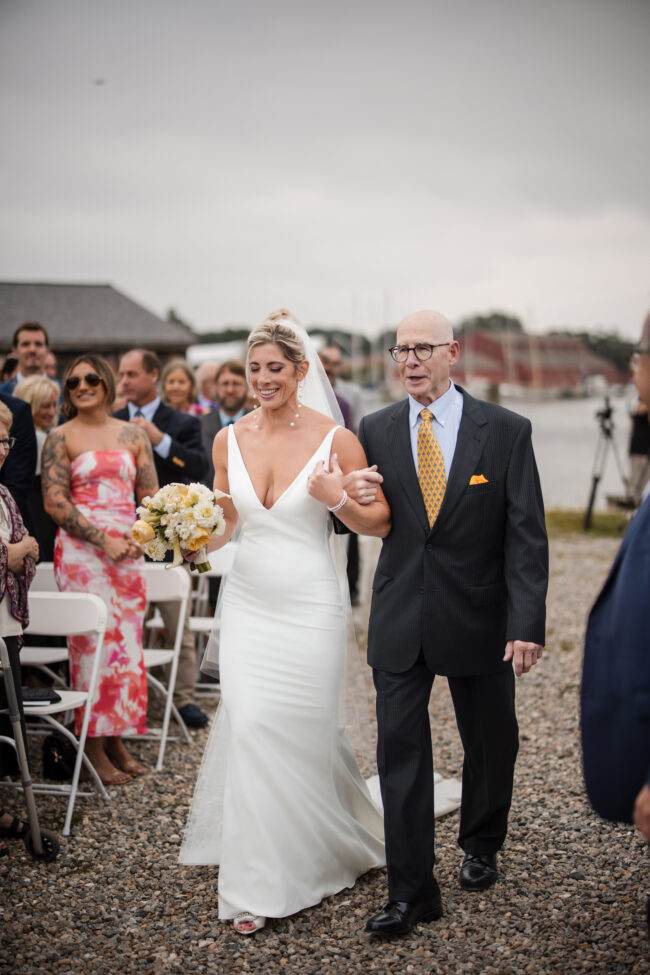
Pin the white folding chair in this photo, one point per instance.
(69, 614)
(166, 585)
(201, 625)
(220, 564)
(42, 658)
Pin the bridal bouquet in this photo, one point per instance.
(179, 516)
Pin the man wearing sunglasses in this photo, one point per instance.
(615, 694)
(179, 456)
(460, 591)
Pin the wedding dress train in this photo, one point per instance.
(280, 803)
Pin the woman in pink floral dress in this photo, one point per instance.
(91, 467)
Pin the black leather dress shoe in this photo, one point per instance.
(399, 917)
(478, 872)
(192, 716)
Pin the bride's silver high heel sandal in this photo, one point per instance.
(247, 923)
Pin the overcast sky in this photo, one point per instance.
(353, 160)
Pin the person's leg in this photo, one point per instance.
(8, 758)
(487, 723)
(353, 567)
(184, 688)
(405, 763)
(106, 770)
(119, 755)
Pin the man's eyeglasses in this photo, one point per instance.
(422, 350)
(7, 442)
(91, 379)
(636, 357)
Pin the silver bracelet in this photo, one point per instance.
(337, 507)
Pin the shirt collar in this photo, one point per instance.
(226, 419)
(147, 410)
(440, 407)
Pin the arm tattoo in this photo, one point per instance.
(55, 478)
(130, 436)
(146, 478)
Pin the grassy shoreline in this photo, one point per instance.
(566, 521)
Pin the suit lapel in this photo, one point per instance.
(472, 435)
(399, 439)
(159, 416)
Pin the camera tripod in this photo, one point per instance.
(605, 440)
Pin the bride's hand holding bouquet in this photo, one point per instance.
(181, 518)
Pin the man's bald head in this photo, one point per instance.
(432, 322)
(427, 379)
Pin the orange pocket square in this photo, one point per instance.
(478, 479)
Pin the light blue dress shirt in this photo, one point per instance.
(226, 420)
(147, 411)
(447, 413)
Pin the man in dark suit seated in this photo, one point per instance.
(18, 471)
(615, 694)
(459, 590)
(179, 457)
(232, 390)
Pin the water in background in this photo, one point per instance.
(565, 436)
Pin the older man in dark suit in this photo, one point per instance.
(460, 591)
(178, 456)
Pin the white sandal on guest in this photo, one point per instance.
(246, 918)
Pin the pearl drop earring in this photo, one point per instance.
(292, 423)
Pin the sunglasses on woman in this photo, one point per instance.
(90, 379)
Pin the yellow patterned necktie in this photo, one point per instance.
(431, 467)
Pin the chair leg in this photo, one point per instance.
(170, 709)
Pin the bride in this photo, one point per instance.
(280, 803)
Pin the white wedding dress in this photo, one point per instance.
(280, 803)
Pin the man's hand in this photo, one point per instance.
(523, 655)
(155, 435)
(641, 814)
(362, 485)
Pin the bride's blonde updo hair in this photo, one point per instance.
(274, 330)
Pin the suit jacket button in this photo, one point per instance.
(421, 589)
(429, 547)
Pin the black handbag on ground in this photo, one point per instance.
(59, 756)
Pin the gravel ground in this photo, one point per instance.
(570, 897)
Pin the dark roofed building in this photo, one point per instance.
(88, 318)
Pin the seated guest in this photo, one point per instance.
(42, 394)
(18, 554)
(92, 467)
(179, 388)
(17, 473)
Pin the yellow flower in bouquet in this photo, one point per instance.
(179, 516)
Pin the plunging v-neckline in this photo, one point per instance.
(291, 484)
